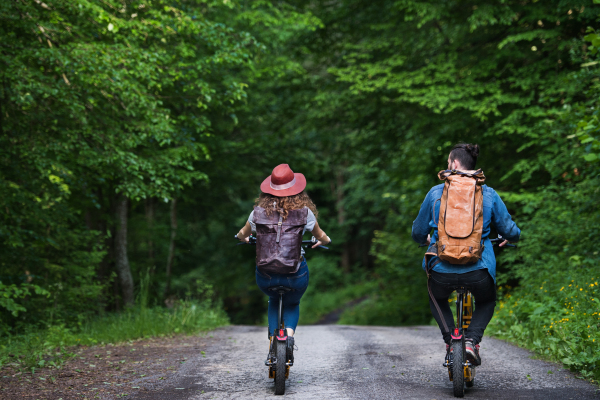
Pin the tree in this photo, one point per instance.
(102, 103)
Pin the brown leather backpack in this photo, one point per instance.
(279, 242)
(461, 217)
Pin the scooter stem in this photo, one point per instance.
(280, 315)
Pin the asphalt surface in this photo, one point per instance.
(356, 362)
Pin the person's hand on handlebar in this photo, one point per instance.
(503, 243)
(320, 243)
(320, 235)
(244, 233)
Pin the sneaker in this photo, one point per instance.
(290, 348)
(472, 351)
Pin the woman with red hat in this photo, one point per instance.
(282, 213)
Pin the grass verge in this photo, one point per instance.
(50, 347)
(558, 319)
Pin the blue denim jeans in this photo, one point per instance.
(291, 300)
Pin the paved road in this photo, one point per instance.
(351, 362)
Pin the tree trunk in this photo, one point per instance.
(171, 245)
(150, 225)
(116, 295)
(2, 109)
(339, 192)
(99, 220)
(121, 259)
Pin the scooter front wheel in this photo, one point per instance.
(281, 353)
(458, 371)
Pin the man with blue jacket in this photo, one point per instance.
(479, 277)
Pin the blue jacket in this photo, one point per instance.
(494, 212)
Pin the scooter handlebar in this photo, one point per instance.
(305, 243)
(494, 241)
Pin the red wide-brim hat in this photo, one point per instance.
(283, 182)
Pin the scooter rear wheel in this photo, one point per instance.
(458, 371)
(281, 353)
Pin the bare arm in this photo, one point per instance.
(320, 235)
(245, 232)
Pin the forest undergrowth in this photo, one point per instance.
(555, 309)
(51, 346)
(558, 318)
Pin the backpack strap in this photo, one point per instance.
(428, 270)
(477, 174)
(432, 252)
(437, 307)
(279, 228)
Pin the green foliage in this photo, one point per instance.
(10, 293)
(68, 289)
(330, 290)
(554, 310)
(316, 305)
(49, 347)
(394, 304)
(200, 99)
(558, 319)
(100, 99)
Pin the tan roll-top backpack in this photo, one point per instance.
(460, 222)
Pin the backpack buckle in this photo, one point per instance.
(279, 228)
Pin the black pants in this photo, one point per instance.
(483, 288)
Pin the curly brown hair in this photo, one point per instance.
(284, 204)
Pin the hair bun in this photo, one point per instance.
(473, 149)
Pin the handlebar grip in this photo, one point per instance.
(308, 244)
